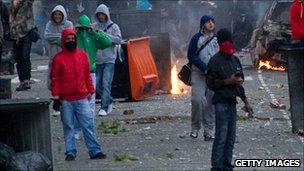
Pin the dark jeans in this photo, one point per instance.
(22, 51)
(1, 55)
(225, 129)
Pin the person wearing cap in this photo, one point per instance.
(225, 77)
(201, 108)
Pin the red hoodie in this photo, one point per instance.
(70, 74)
(297, 20)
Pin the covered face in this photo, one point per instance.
(68, 40)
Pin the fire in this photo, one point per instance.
(177, 85)
(267, 65)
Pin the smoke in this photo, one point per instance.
(183, 17)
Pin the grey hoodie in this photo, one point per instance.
(53, 30)
(109, 54)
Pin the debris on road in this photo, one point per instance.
(128, 112)
(277, 105)
(125, 157)
(110, 127)
(169, 155)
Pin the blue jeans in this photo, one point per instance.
(104, 78)
(92, 106)
(79, 110)
(225, 130)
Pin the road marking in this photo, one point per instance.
(273, 98)
(16, 80)
(248, 78)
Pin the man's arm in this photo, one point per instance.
(88, 78)
(193, 56)
(116, 35)
(102, 40)
(50, 36)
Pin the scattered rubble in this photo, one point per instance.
(128, 112)
(110, 127)
(125, 157)
(277, 105)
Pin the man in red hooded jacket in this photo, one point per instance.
(297, 20)
(72, 88)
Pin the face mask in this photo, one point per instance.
(70, 46)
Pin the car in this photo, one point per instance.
(273, 31)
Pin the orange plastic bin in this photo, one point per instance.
(142, 69)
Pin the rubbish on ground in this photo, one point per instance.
(277, 105)
(125, 157)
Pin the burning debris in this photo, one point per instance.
(178, 87)
(267, 65)
(273, 32)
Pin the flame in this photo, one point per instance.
(267, 65)
(177, 85)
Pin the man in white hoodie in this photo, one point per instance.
(106, 58)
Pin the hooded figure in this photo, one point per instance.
(106, 58)
(297, 20)
(91, 41)
(72, 86)
(112, 30)
(53, 30)
(202, 112)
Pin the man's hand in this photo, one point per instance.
(89, 96)
(234, 80)
(247, 108)
(56, 103)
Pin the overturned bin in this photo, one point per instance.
(25, 125)
(295, 56)
(136, 76)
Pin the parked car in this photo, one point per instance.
(273, 31)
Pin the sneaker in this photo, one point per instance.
(102, 113)
(193, 134)
(70, 157)
(23, 86)
(208, 137)
(77, 136)
(56, 113)
(99, 155)
(110, 108)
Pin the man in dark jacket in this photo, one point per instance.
(4, 26)
(225, 77)
(21, 27)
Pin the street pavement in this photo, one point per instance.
(156, 135)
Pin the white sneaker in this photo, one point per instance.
(77, 136)
(56, 113)
(102, 113)
(110, 108)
